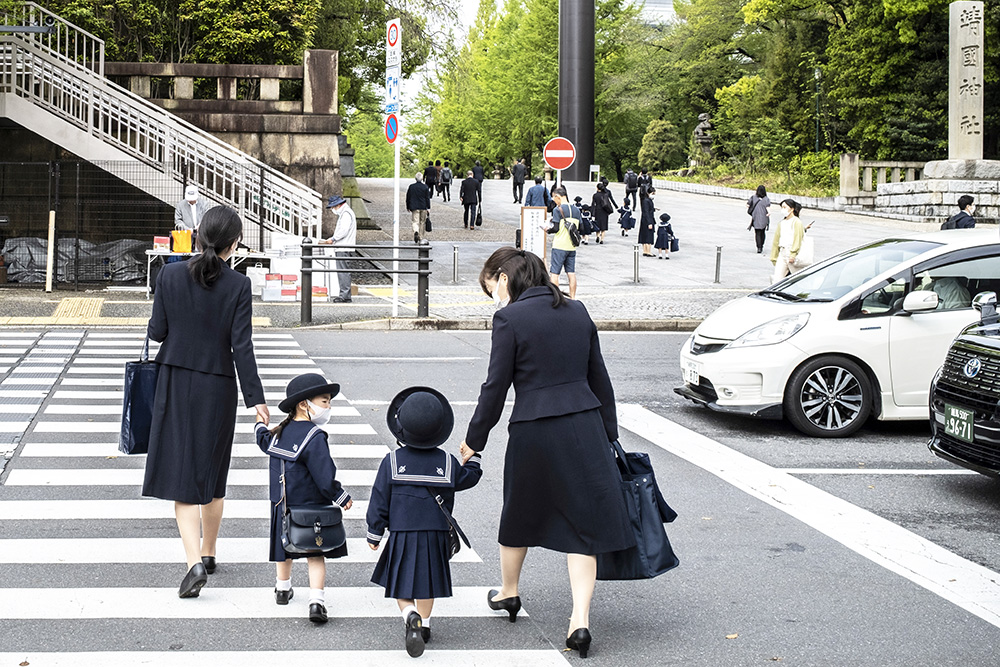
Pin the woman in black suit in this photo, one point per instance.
(202, 317)
(561, 487)
(647, 223)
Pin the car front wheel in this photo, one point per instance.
(828, 397)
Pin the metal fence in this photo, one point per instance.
(103, 224)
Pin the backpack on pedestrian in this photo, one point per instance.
(950, 222)
(631, 181)
(446, 176)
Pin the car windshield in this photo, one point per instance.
(839, 275)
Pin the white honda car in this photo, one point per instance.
(859, 335)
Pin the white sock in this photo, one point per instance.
(406, 611)
(282, 585)
(427, 622)
(317, 595)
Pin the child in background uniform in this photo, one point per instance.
(414, 567)
(310, 479)
(663, 235)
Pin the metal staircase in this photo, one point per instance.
(52, 83)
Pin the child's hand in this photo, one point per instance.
(350, 503)
(373, 547)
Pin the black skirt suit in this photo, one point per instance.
(206, 340)
(647, 223)
(561, 487)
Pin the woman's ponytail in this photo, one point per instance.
(220, 229)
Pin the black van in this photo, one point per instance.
(965, 395)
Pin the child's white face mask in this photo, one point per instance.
(320, 415)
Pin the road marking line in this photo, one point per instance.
(876, 471)
(399, 658)
(970, 586)
(240, 451)
(218, 603)
(81, 510)
(77, 550)
(396, 358)
(134, 477)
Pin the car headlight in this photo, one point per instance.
(770, 333)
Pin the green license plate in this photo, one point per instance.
(958, 422)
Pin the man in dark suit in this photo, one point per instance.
(480, 175)
(469, 196)
(431, 176)
(418, 203)
(963, 219)
(517, 173)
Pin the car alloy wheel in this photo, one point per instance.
(828, 397)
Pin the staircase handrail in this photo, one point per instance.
(62, 32)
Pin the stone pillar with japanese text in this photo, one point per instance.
(965, 81)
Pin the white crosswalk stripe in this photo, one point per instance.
(61, 396)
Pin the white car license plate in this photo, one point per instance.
(691, 372)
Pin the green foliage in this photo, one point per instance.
(373, 155)
(662, 146)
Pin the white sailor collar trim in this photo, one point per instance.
(440, 476)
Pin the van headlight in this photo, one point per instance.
(770, 333)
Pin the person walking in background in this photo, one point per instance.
(601, 207)
(563, 254)
(202, 318)
(963, 219)
(446, 178)
(189, 212)
(302, 472)
(418, 203)
(344, 234)
(437, 165)
(645, 181)
(480, 176)
(787, 240)
(517, 174)
(663, 235)
(430, 177)
(611, 196)
(561, 488)
(410, 483)
(631, 187)
(647, 221)
(760, 217)
(538, 194)
(468, 194)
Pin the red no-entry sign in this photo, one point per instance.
(559, 153)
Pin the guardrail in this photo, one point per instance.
(56, 35)
(861, 177)
(422, 271)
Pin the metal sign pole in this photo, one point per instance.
(393, 63)
(395, 230)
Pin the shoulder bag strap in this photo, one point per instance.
(284, 497)
(144, 357)
(447, 515)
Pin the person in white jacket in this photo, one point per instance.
(344, 234)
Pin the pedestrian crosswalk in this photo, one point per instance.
(87, 555)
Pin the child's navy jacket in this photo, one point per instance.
(402, 497)
(310, 474)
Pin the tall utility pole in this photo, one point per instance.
(576, 83)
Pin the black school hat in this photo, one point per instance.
(305, 387)
(664, 217)
(420, 417)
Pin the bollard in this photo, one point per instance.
(423, 278)
(306, 315)
(718, 262)
(635, 263)
(454, 264)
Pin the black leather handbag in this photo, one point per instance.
(137, 408)
(310, 529)
(455, 534)
(647, 511)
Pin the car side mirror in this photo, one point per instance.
(920, 301)
(986, 304)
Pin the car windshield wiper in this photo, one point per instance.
(783, 295)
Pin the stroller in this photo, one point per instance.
(586, 221)
(626, 219)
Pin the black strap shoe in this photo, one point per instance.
(317, 613)
(282, 597)
(414, 635)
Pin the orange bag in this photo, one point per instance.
(182, 240)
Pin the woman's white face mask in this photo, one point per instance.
(318, 415)
(499, 301)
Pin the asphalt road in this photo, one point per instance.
(763, 578)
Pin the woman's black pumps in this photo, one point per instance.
(509, 605)
(579, 641)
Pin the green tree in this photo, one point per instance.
(662, 147)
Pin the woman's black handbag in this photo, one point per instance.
(310, 529)
(647, 511)
(455, 534)
(137, 408)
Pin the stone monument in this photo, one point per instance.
(965, 171)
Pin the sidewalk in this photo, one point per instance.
(670, 294)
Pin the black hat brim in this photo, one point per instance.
(288, 404)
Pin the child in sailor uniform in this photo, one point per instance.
(310, 479)
(414, 566)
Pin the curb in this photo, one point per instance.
(483, 324)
